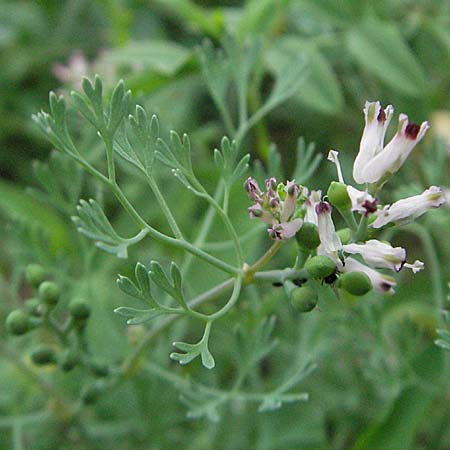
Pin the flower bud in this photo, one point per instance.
(43, 355)
(320, 266)
(303, 299)
(79, 309)
(338, 196)
(308, 236)
(356, 283)
(345, 235)
(18, 322)
(49, 293)
(34, 274)
(68, 360)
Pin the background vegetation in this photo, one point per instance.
(375, 378)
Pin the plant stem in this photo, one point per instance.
(110, 158)
(350, 220)
(265, 258)
(362, 229)
(165, 208)
(179, 243)
(131, 362)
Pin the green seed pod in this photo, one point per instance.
(320, 266)
(33, 307)
(356, 283)
(43, 355)
(345, 235)
(49, 293)
(303, 299)
(68, 360)
(91, 393)
(308, 236)
(18, 322)
(34, 274)
(99, 368)
(338, 196)
(79, 309)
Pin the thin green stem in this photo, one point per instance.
(165, 208)
(204, 228)
(362, 229)
(226, 200)
(179, 243)
(350, 220)
(131, 363)
(232, 300)
(265, 258)
(230, 227)
(110, 158)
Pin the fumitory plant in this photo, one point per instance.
(337, 238)
(345, 260)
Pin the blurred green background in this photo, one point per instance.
(380, 382)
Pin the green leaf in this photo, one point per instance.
(93, 223)
(138, 316)
(173, 285)
(225, 160)
(307, 161)
(379, 48)
(163, 57)
(118, 107)
(128, 287)
(191, 351)
(320, 90)
(216, 69)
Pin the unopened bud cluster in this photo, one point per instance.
(66, 350)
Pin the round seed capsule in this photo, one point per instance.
(34, 274)
(356, 283)
(18, 322)
(79, 309)
(320, 266)
(345, 235)
(308, 236)
(49, 293)
(304, 299)
(338, 196)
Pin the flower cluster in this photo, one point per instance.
(290, 209)
(275, 207)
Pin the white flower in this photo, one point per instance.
(285, 230)
(410, 208)
(380, 282)
(327, 233)
(362, 201)
(373, 162)
(379, 254)
(310, 205)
